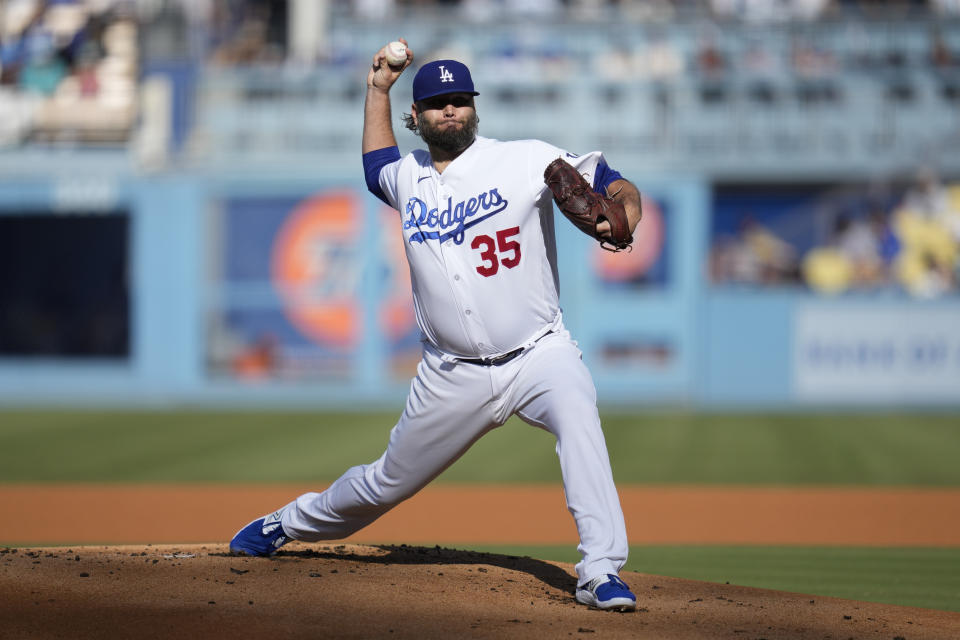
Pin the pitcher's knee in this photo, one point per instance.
(392, 494)
(579, 432)
(379, 490)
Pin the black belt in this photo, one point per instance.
(492, 362)
(498, 360)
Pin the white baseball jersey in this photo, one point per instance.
(480, 242)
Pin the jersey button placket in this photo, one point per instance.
(453, 255)
(476, 329)
(473, 322)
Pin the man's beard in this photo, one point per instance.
(449, 139)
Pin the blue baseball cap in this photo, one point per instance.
(442, 76)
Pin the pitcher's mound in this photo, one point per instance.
(349, 591)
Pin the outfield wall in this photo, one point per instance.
(226, 253)
(290, 290)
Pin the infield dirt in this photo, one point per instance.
(351, 591)
(354, 591)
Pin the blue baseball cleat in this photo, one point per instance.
(608, 592)
(262, 537)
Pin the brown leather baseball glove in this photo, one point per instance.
(586, 208)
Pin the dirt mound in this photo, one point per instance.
(349, 591)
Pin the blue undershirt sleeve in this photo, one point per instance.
(373, 163)
(603, 176)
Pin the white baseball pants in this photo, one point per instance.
(450, 406)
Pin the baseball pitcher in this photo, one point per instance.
(477, 220)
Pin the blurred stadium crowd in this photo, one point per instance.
(67, 68)
(71, 73)
(878, 239)
(61, 58)
(93, 45)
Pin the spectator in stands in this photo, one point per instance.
(776, 257)
(928, 196)
(758, 60)
(856, 239)
(614, 63)
(660, 59)
(933, 281)
(886, 241)
(941, 57)
(35, 60)
(711, 63)
(861, 253)
(755, 256)
(762, 69)
(811, 61)
(250, 33)
(927, 222)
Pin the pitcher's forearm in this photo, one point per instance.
(628, 195)
(377, 128)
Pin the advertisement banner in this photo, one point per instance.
(308, 288)
(877, 353)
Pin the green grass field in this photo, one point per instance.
(917, 450)
(658, 448)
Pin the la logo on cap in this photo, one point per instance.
(442, 76)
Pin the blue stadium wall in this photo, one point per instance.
(206, 250)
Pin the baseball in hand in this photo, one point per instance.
(396, 54)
